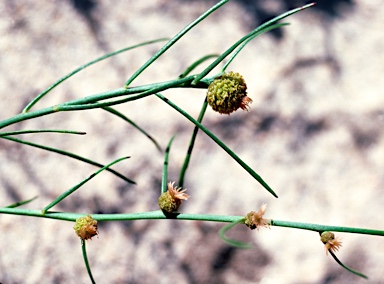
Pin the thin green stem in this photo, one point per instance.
(151, 215)
(25, 116)
(85, 257)
(346, 267)
(221, 144)
(158, 214)
(230, 241)
(91, 102)
(122, 116)
(256, 31)
(197, 63)
(42, 94)
(174, 40)
(164, 178)
(191, 144)
(76, 187)
(322, 228)
(20, 203)
(145, 89)
(160, 87)
(2, 134)
(200, 119)
(237, 51)
(68, 154)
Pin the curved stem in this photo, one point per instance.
(346, 267)
(84, 250)
(230, 241)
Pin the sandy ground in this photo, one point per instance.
(314, 133)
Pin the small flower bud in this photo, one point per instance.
(171, 200)
(85, 227)
(255, 220)
(331, 243)
(227, 93)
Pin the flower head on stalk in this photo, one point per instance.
(255, 220)
(171, 200)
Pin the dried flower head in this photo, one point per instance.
(227, 93)
(255, 220)
(86, 227)
(171, 200)
(331, 243)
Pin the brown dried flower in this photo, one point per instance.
(331, 243)
(171, 200)
(86, 227)
(244, 104)
(255, 220)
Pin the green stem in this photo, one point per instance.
(346, 267)
(191, 144)
(230, 241)
(83, 249)
(173, 41)
(322, 228)
(158, 214)
(151, 215)
(256, 31)
(91, 102)
(221, 144)
(2, 134)
(71, 155)
(197, 63)
(20, 203)
(122, 116)
(76, 187)
(237, 51)
(164, 178)
(42, 94)
(26, 116)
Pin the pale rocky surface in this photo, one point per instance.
(314, 133)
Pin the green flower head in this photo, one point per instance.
(86, 227)
(228, 93)
(171, 200)
(331, 243)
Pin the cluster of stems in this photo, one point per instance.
(106, 101)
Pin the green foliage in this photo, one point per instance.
(126, 94)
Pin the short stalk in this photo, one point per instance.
(84, 250)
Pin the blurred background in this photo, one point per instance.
(314, 133)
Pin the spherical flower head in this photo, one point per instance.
(331, 243)
(171, 200)
(255, 220)
(227, 93)
(85, 227)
